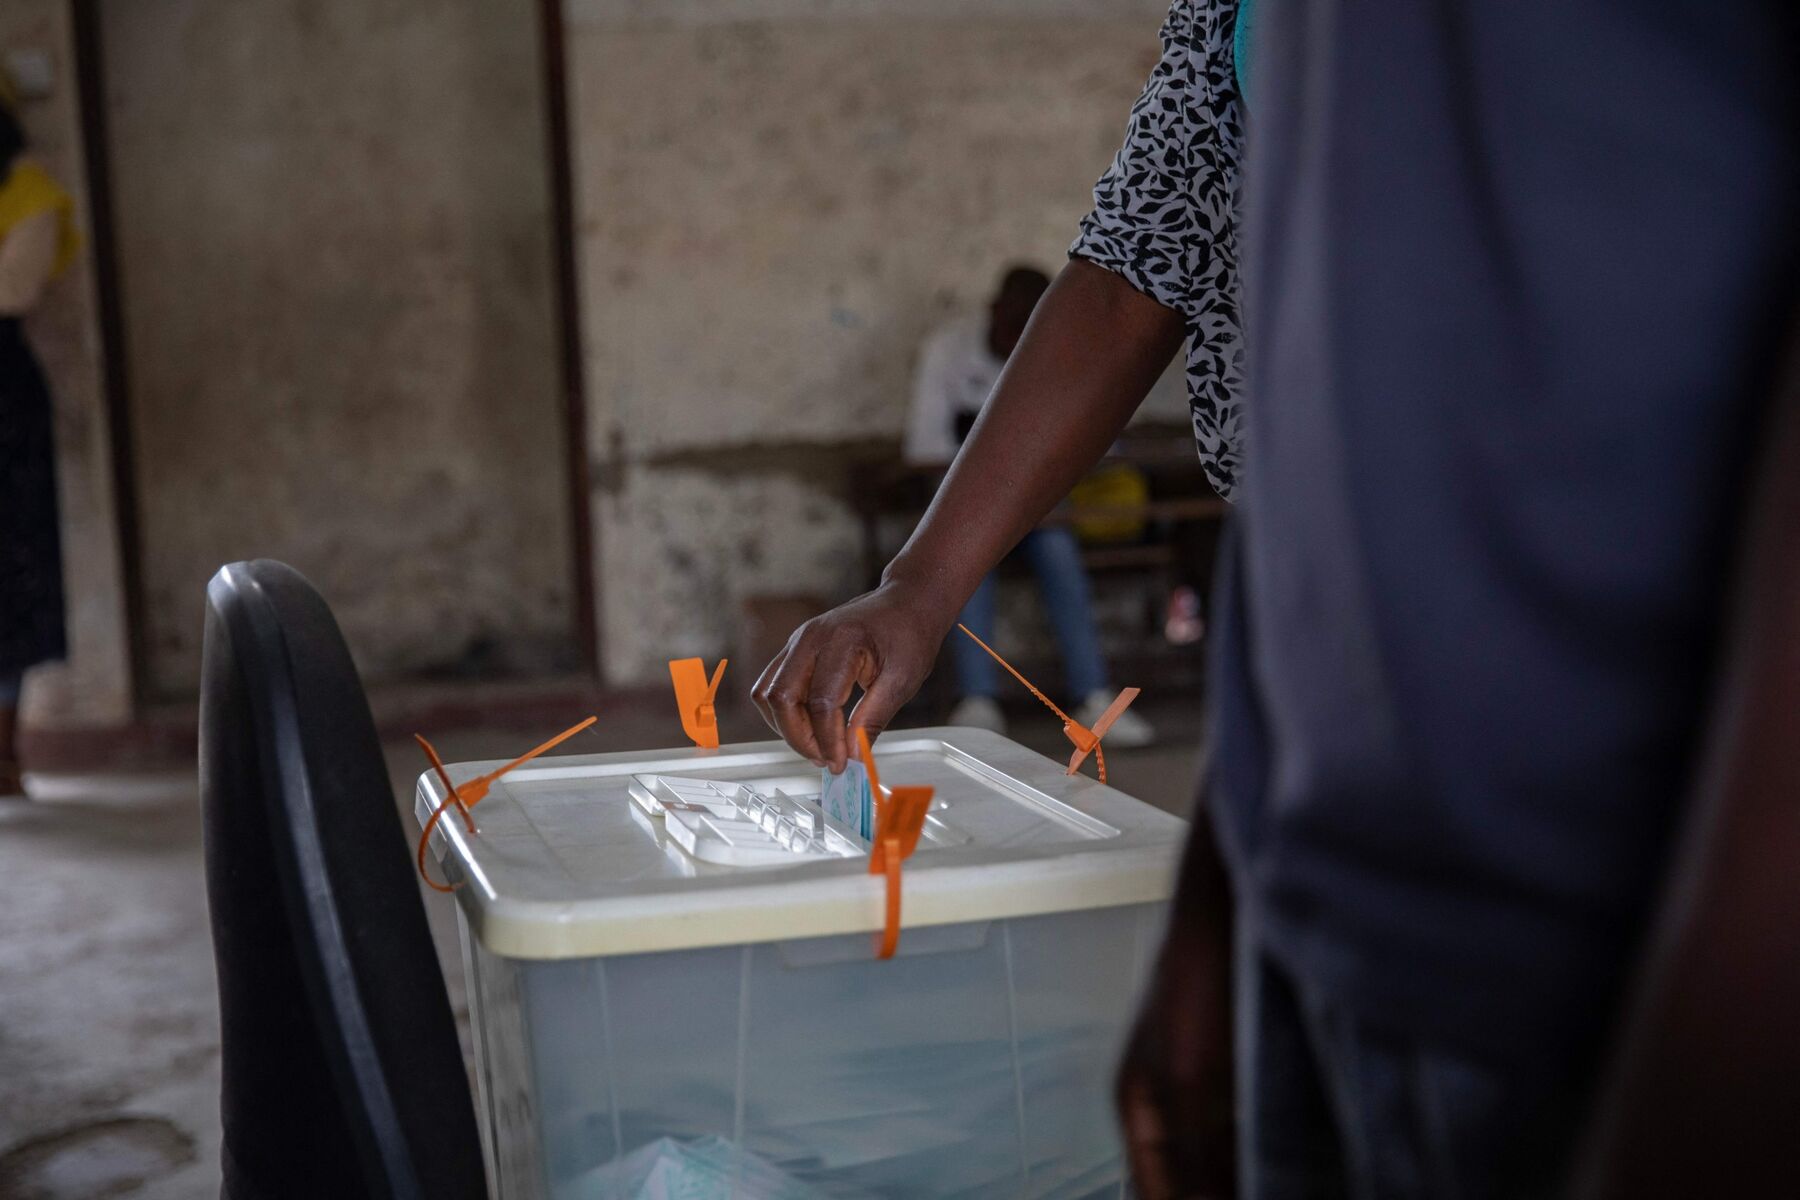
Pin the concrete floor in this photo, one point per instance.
(109, 1039)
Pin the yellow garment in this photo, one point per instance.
(1116, 486)
(28, 191)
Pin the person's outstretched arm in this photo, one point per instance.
(1090, 355)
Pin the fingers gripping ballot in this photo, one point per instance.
(873, 643)
(802, 693)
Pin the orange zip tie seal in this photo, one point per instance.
(1087, 741)
(867, 754)
(899, 820)
(694, 695)
(473, 792)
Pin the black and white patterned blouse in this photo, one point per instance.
(1165, 212)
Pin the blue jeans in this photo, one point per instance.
(1332, 1108)
(11, 685)
(1056, 560)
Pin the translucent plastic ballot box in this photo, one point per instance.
(672, 965)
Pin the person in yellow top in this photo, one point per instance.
(38, 240)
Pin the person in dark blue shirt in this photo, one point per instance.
(1515, 279)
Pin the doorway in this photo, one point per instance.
(343, 328)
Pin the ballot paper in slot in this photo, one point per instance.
(848, 799)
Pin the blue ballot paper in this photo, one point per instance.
(846, 798)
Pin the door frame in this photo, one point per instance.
(559, 155)
(115, 384)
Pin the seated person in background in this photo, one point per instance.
(958, 369)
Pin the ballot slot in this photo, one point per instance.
(739, 824)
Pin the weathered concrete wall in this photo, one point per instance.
(777, 200)
(337, 261)
(94, 686)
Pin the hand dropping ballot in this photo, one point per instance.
(848, 799)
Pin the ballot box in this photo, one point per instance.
(672, 965)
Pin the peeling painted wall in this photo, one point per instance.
(336, 257)
(694, 545)
(778, 199)
(94, 686)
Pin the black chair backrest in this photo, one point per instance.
(342, 1074)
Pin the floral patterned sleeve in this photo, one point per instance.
(1164, 215)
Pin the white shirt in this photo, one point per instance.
(956, 374)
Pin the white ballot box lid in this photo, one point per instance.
(627, 853)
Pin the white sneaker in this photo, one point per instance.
(979, 712)
(1129, 732)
